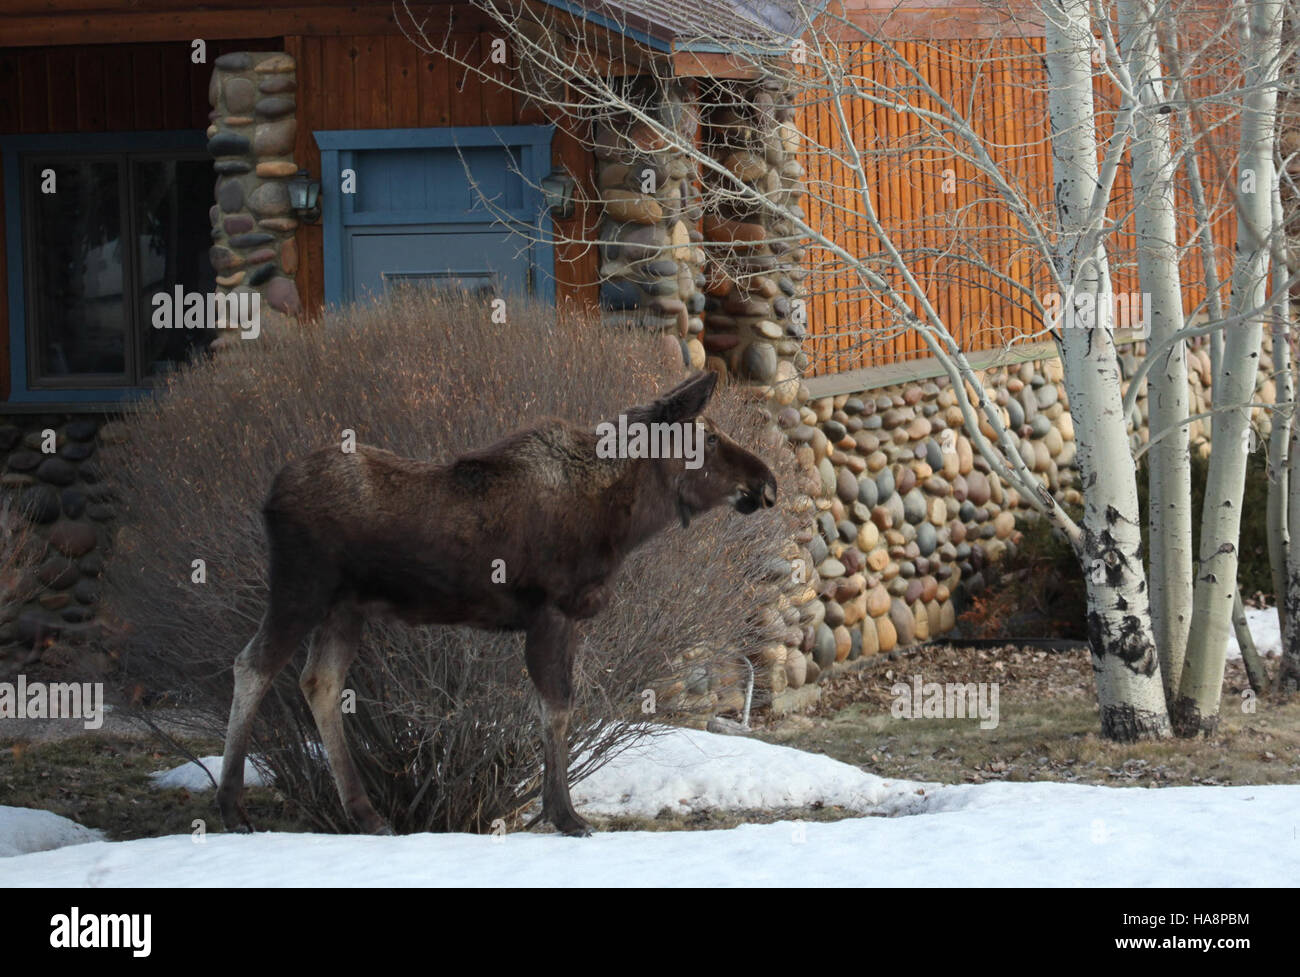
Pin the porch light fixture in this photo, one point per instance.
(557, 190)
(304, 197)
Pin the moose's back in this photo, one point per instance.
(483, 540)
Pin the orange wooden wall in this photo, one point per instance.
(999, 86)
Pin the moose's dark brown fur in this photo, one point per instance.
(352, 534)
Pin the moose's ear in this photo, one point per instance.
(686, 400)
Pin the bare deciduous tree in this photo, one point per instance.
(1181, 80)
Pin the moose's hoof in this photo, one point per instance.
(236, 819)
(574, 827)
(376, 826)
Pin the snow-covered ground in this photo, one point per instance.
(1262, 622)
(24, 830)
(966, 835)
(686, 770)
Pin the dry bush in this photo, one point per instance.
(20, 552)
(444, 730)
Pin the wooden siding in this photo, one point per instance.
(44, 23)
(1000, 87)
(114, 88)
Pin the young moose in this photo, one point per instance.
(371, 532)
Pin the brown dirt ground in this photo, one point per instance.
(1048, 728)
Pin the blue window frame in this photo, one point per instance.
(111, 356)
(404, 191)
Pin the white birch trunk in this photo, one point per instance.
(1170, 493)
(1124, 657)
(1196, 708)
(1279, 469)
(1288, 676)
(1288, 598)
(1255, 673)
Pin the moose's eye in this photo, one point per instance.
(711, 440)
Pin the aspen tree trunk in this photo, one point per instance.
(1196, 707)
(1279, 441)
(1246, 642)
(1288, 676)
(1288, 597)
(1170, 494)
(1124, 657)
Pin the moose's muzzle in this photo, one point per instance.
(757, 495)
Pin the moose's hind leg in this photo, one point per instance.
(255, 669)
(301, 581)
(333, 650)
(549, 655)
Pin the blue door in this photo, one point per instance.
(436, 208)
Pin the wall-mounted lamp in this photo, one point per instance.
(304, 197)
(557, 191)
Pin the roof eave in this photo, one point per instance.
(643, 34)
(660, 39)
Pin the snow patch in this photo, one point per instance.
(24, 830)
(1262, 623)
(190, 777)
(686, 770)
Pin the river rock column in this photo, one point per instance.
(755, 319)
(251, 138)
(755, 322)
(650, 256)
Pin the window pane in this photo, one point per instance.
(78, 302)
(171, 200)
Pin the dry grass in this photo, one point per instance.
(102, 781)
(1046, 731)
(21, 550)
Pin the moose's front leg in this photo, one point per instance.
(549, 656)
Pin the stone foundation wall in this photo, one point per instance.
(253, 98)
(908, 519)
(55, 601)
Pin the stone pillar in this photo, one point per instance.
(728, 292)
(755, 321)
(252, 138)
(650, 256)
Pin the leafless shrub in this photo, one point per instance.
(444, 726)
(20, 550)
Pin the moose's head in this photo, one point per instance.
(716, 470)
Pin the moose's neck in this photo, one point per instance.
(650, 502)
